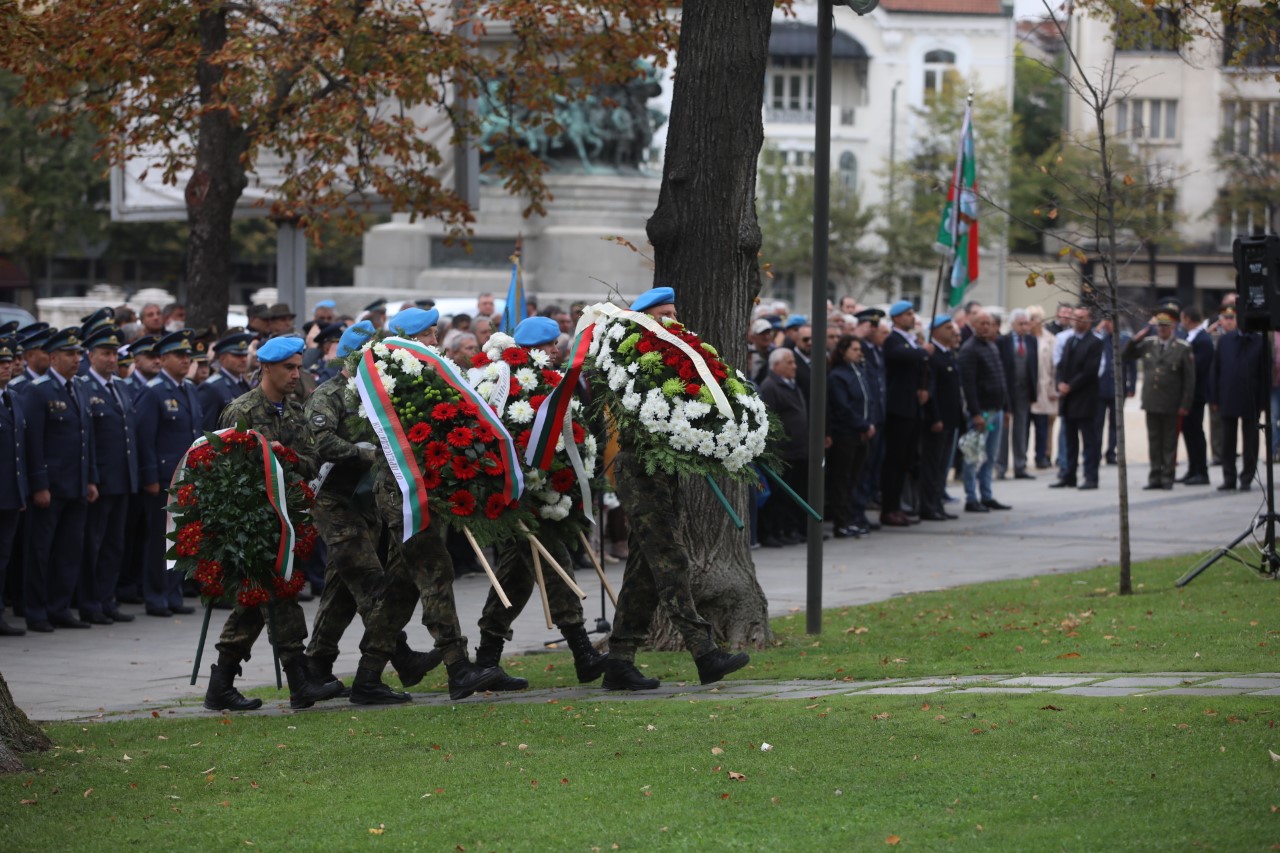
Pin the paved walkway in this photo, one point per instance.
(147, 663)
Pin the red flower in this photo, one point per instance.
(672, 358)
(469, 409)
(187, 496)
(693, 389)
(189, 537)
(480, 360)
(463, 468)
(461, 437)
(436, 454)
(308, 496)
(431, 479)
(686, 371)
(551, 377)
(494, 507)
(444, 412)
(514, 390)
(419, 432)
(490, 464)
(536, 401)
(202, 456)
(462, 502)
(522, 440)
(284, 454)
(484, 433)
(515, 356)
(563, 480)
(644, 346)
(579, 434)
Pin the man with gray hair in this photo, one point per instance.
(1019, 355)
(781, 521)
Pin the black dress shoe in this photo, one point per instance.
(948, 516)
(1023, 475)
(932, 516)
(40, 626)
(771, 542)
(117, 616)
(97, 619)
(1063, 484)
(159, 611)
(1244, 487)
(1088, 485)
(975, 506)
(7, 630)
(1168, 487)
(1227, 487)
(995, 504)
(849, 532)
(183, 609)
(1151, 487)
(1195, 480)
(67, 622)
(130, 599)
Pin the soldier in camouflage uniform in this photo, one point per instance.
(268, 409)
(657, 569)
(1168, 387)
(424, 558)
(515, 567)
(354, 576)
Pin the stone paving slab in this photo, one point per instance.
(956, 680)
(1100, 691)
(1255, 682)
(1145, 681)
(1274, 691)
(1201, 691)
(898, 691)
(998, 690)
(1049, 680)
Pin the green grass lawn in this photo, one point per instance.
(845, 773)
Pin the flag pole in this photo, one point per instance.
(954, 194)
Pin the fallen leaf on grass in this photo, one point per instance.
(733, 777)
(155, 715)
(378, 830)
(1050, 708)
(892, 840)
(27, 802)
(1070, 655)
(1274, 757)
(883, 715)
(715, 750)
(126, 758)
(724, 796)
(88, 791)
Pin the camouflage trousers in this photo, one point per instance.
(356, 582)
(425, 561)
(515, 573)
(657, 569)
(286, 629)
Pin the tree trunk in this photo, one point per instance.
(17, 733)
(706, 241)
(216, 183)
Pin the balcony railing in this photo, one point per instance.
(843, 116)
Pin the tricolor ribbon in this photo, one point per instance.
(274, 484)
(399, 451)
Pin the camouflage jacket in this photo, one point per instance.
(289, 428)
(336, 426)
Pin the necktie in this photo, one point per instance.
(71, 392)
(1022, 348)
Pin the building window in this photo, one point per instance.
(1149, 119)
(939, 67)
(1248, 37)
(849, 171)
(1243, 221)
(1144, 30)
(1250, 128)
(791, 90)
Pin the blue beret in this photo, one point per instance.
(177, 342)
(795, 321)
(413, 321)
(651, 298)
(234, 344)
(326, 303)
(536, 331)
(278, 349)
(104, 336)
(68, 338)
(941, 320)
(902, 306)
(352, 339)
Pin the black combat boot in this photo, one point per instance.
(715, 665)
(368, 689)
(623, 675)
(466, 678)
(320, 668)
(586, 660)
(411, 666)
(222, 694)
(303, 690)
(488, 655)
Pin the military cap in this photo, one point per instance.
(278, 349)
(940, 320)
(145, 345)
(234, 344)
(1166, 316)
(1172, 305)
(200, 350)
(257, 312)
(124, 357)
(1227, 311)
(425, 303)
(65, 339)
(326, 303)
(900, 307)
(795, 321)
(354, 338)
(869, 315)
(32, 328)
(376, 306)
(9, 328)
(175, 342)
(8, 348)
(36, 339)
(279, 310)
(413, 321)
(536, 331)
(104, 336)
(331, 332)
(98, 318)
(653, 298)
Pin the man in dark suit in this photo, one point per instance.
(782, 522)
(906, 393)
(116, 448)
(1239, 386)
(870, 332)
(1019, 355)
(1193, 438)
(13, 469)
(1077, 378)
(803, 350)
(944, 418)
(1106, 419)
(63, 477)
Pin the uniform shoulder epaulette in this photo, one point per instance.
(217, 377)
(1182, 342)
(155, 381)
(84, 378)
(41, 380)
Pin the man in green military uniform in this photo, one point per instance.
(657, 569)
(269, 410)
(1168, 386)
(355, 580)
(424, 558)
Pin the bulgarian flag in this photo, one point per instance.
(958, 233)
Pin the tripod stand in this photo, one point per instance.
(1269, 563)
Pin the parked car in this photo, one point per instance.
(10, 312)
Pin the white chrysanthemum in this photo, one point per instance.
(539, 358)
(617, 331)
(560, 443)
(484, 389)
(631, 401)
(527, 378)
(361, 411)
(633, 368)
(617, 378)
(589, 443)
(535, 479)
(575, 405)
(695, 409)
(520, 412)
(491, 371)
(380, 350)
(498, 342)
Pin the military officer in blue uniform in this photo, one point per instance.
(146, 362)
(31, 340)
(13, 470)
(231, 380)
(116, 448)
(63, 478)
(327, 345)
(104, 316)
(169, 419)
(134, 379)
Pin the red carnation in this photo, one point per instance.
(686, 371)
(480, 360)
(484, 433)
(431, 479)
(644, 346)
(536, 401)
(672, 358)
(469, 409)
(494, 507)
(490, 464)
(419, 432)
(579, 434)
(563, 480)
(462, 502)
(463, 468)
(461, 437)
(515, 356)
(444, 412)
(693, 389)
(436, 454)
(551, 377)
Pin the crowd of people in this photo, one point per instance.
(914, 400)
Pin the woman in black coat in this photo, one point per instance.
(849, 429)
